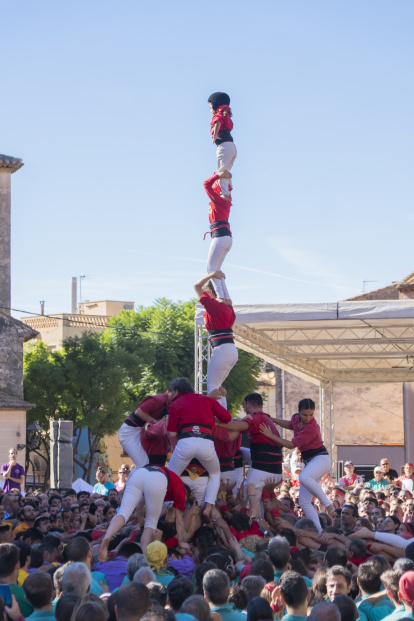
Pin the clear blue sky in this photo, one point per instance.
(107, 105)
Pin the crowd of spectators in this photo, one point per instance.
(248, 561)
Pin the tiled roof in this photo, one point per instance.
(406, 282)
(10, 402)
(13, 163)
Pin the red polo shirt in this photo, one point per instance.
(194, 409)
(217, 315)
(219, 209)
(307, 438)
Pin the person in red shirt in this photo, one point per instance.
(221, 239)
(307, 437)
(219, 319)
(150, 410)
(266, 454)
(156, 484)
(227, 444)
(221, 127)
(191, 417)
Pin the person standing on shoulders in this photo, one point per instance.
(13, 473)
(219, 319)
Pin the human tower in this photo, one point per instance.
(212, 289)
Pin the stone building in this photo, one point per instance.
(13, 333)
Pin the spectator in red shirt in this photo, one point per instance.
(191, 417)
(307, 437)
(219, 319)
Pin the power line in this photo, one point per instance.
(97, 325)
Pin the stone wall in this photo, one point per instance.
(12, 335)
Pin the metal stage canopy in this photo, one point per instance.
(341, 342)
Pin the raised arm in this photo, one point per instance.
(281, 423)
(198, 286)
(266, 431)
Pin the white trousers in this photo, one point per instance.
(259, 478)
(219, 248)
(154, 487)
(223, 358)
(226, 155)
(309, 487)
(203, 450)
(239, 475)
(197, 486)
(247, 457)
(130, 440)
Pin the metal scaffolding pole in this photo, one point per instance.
(332, 427)
(201, 359)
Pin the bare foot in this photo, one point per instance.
(103, 551)
(206, 512)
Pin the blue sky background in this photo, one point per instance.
(107, 105)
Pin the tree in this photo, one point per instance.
(86, 382)
(97, 378)
(170, 332)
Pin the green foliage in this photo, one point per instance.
(96, 379)
(168, 355)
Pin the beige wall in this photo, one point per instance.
(114, 450)
(364, 414)
(54, 329)
(107, 308)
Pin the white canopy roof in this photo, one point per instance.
(363, 342)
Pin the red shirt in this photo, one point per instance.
(156, 406)
(175, 489)
(152, 442)
(224, 447)
(219, 209)
(266, 454)
(217, 315)
(194, 409)
(256, 436)
(307, 438)
(224, 119)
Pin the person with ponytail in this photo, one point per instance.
(221, 126)
(307, 437)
